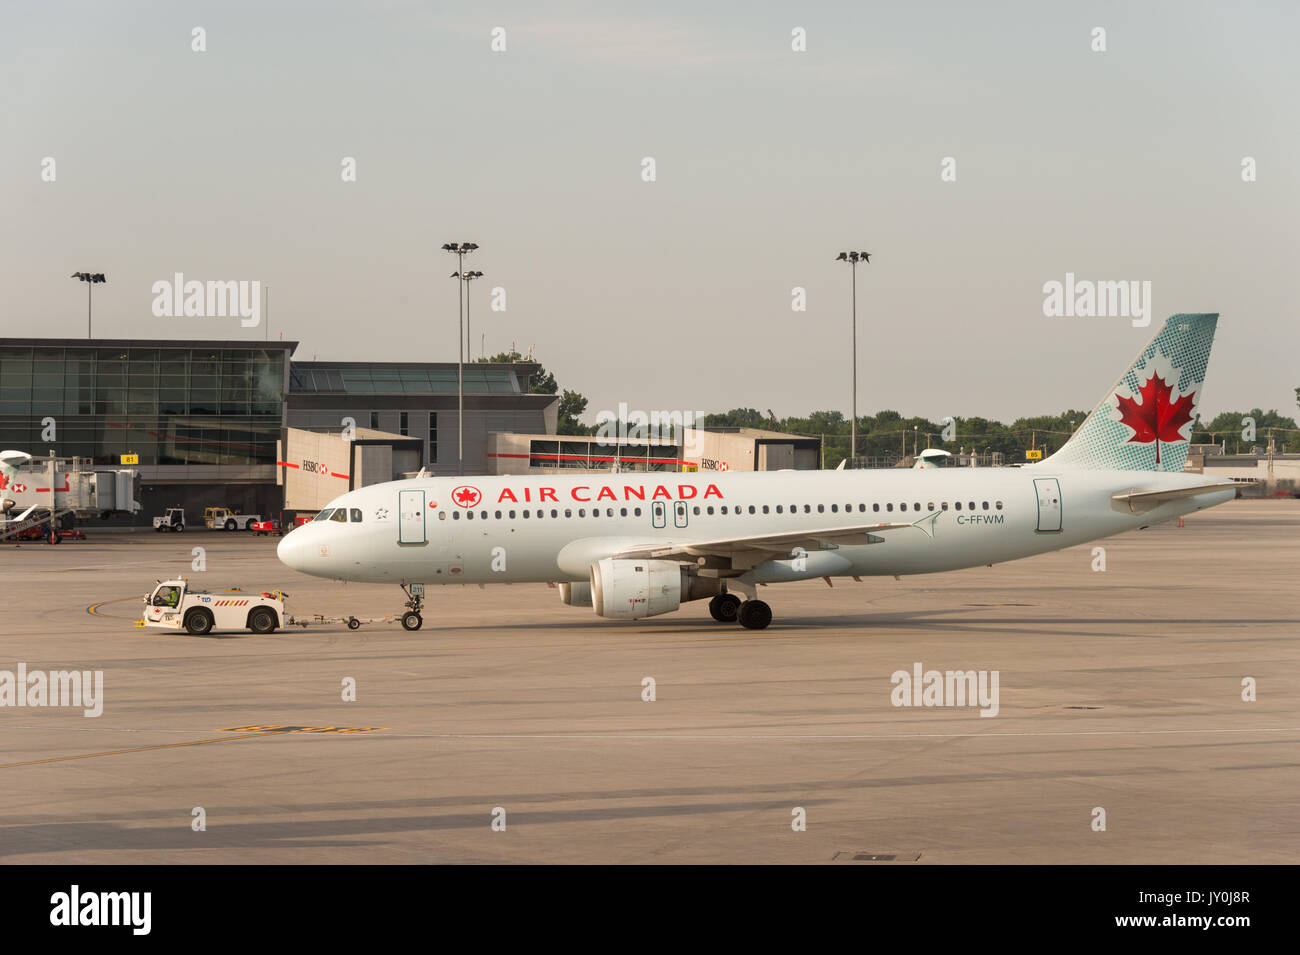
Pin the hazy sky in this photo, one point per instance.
(676, 293)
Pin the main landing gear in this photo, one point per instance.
(411, 620)
(751, 614)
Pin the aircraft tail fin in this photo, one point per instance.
(1144, 422)
(10, 462)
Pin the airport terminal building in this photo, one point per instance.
(207, 422)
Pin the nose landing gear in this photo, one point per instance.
(411, 620)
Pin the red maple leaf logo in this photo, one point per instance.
(4, 482)
(1158, 417)
(466, 496)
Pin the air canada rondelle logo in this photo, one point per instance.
(466, 496)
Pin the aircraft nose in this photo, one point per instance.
(292, 550)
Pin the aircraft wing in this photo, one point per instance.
(764, 546)
(1136, 500)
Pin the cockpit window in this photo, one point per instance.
(324, 515)
(356, 515)
(340, 515)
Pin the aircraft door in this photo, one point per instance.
(1048, 491)
(680, 514)
(659, 514)
(410, 518)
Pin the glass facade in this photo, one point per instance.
(395, 379)
(169, 405)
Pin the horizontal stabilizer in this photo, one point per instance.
(1137, 501)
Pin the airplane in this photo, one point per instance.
(635, 545)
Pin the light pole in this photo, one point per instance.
(460, 250)
(469, 276)
(853, 258)
(91, 279)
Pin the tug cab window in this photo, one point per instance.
(167, 597)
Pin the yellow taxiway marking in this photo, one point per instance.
(93, 609)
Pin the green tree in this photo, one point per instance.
(572, 405)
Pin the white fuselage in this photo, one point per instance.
(552, 528)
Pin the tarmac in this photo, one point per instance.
(512, 728)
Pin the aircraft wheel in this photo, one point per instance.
(198, 622)
(724, 607)
(754, 615)
(412, 620)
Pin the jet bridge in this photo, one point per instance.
(39, 490)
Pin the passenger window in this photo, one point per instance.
(554, 513)
(998, 505)
(751, 508)
(340, 515)
(469, 515)
(916, 506)
(497, 515)
(568, 512)
(455, 515)
(582, 512)
(442, 515)
(764, 508)
(696, 509)
(889, 507)
(835, 508)
(986, 505)
(944, 505)
(778, 509)
(356, 515)
(525, 515)
(929, 506)
(724, 508)
(971, 507)
(710, 509)
(875, 507)
(821, 508)
(622, 512)
(807, 508)
(636, 512)
(483, 515)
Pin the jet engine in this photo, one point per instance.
(577, 594)
(632, 589)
